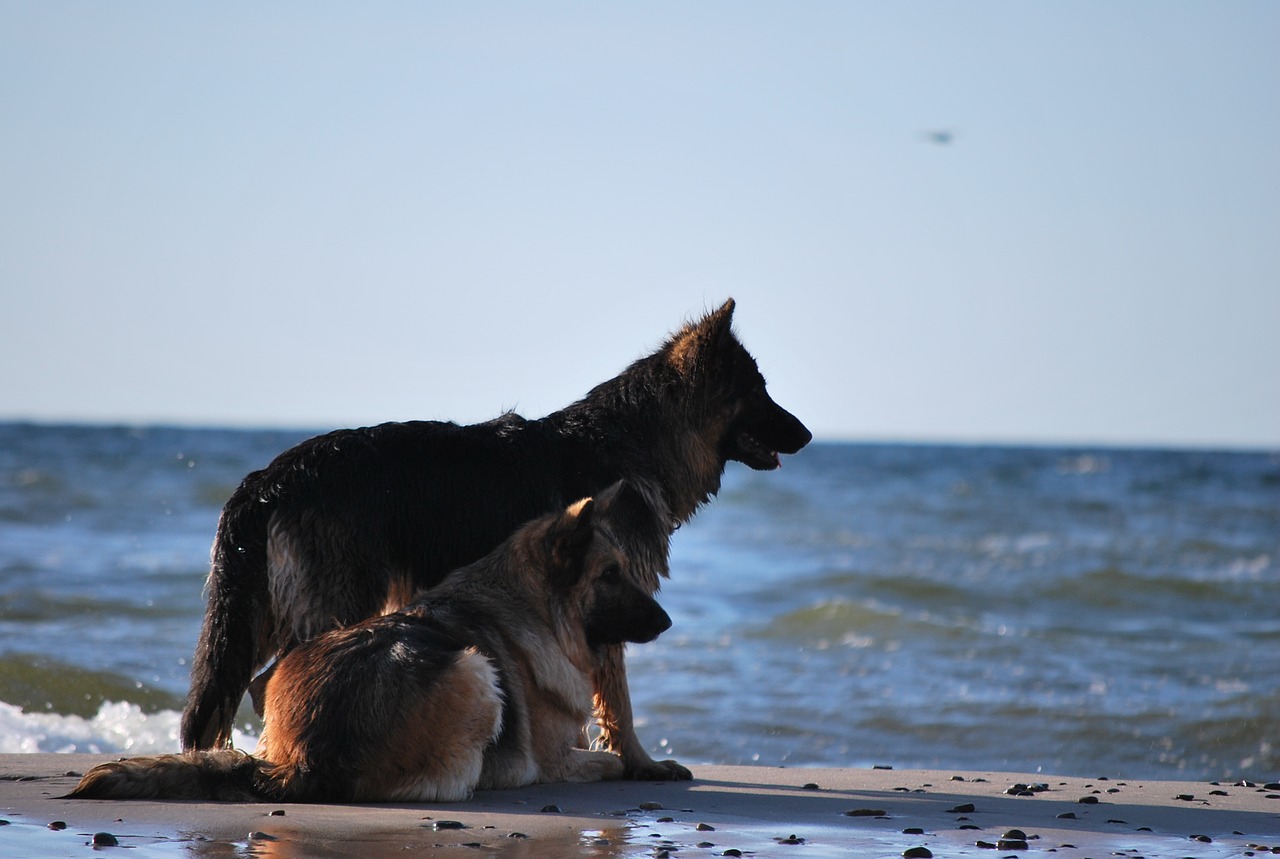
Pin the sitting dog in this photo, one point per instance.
(483, 682)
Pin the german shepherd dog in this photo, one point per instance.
(354, 523)
(483, 682)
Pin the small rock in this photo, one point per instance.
(810, 786)
(1185, 797)
(551, 809)
(1067, 815)
(790, 839)
(650, 806)
(984, 845)
(1010, 844)
(917, 853)
(72, 774)
(705, 827)
(279, 812)
(516, 835)
(105, 839)
(57, 825)
(1218, 793)
(262, 836)
(732, 851)
(865, 812)
(449, 824)
(1015, 835)
(666, 820)
(913, 830)
(1088, 800)
(963, 808)
(705, 844)
(1203, 839)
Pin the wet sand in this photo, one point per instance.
(726, 810)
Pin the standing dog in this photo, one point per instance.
(353, 523)
(485, 681)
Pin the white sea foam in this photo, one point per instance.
(118, 726)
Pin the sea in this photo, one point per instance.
(1075, 611)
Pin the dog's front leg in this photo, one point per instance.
(618, 732)
(582, 766)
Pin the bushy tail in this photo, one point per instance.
(225, 775)
(236, 637)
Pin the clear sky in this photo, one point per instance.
(323, 214)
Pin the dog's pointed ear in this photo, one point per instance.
(623, 502)
(698, 343)
(566, 542)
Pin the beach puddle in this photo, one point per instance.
(658, 837)
(49, 841)
(685, 838)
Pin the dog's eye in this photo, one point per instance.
(613, 571)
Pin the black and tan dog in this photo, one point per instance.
(483, 682)
(353, 523)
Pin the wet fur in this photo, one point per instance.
(353, 523)
(483, 682)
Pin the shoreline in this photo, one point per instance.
(761, 811)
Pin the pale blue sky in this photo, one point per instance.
(315, 214)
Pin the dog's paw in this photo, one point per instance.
(658, 771)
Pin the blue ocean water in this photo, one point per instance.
(1078, 612)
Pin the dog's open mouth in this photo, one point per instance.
(755, 455)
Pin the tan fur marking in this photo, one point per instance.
(400, 592)
(437, 754)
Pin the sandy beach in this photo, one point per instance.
(725, 811)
